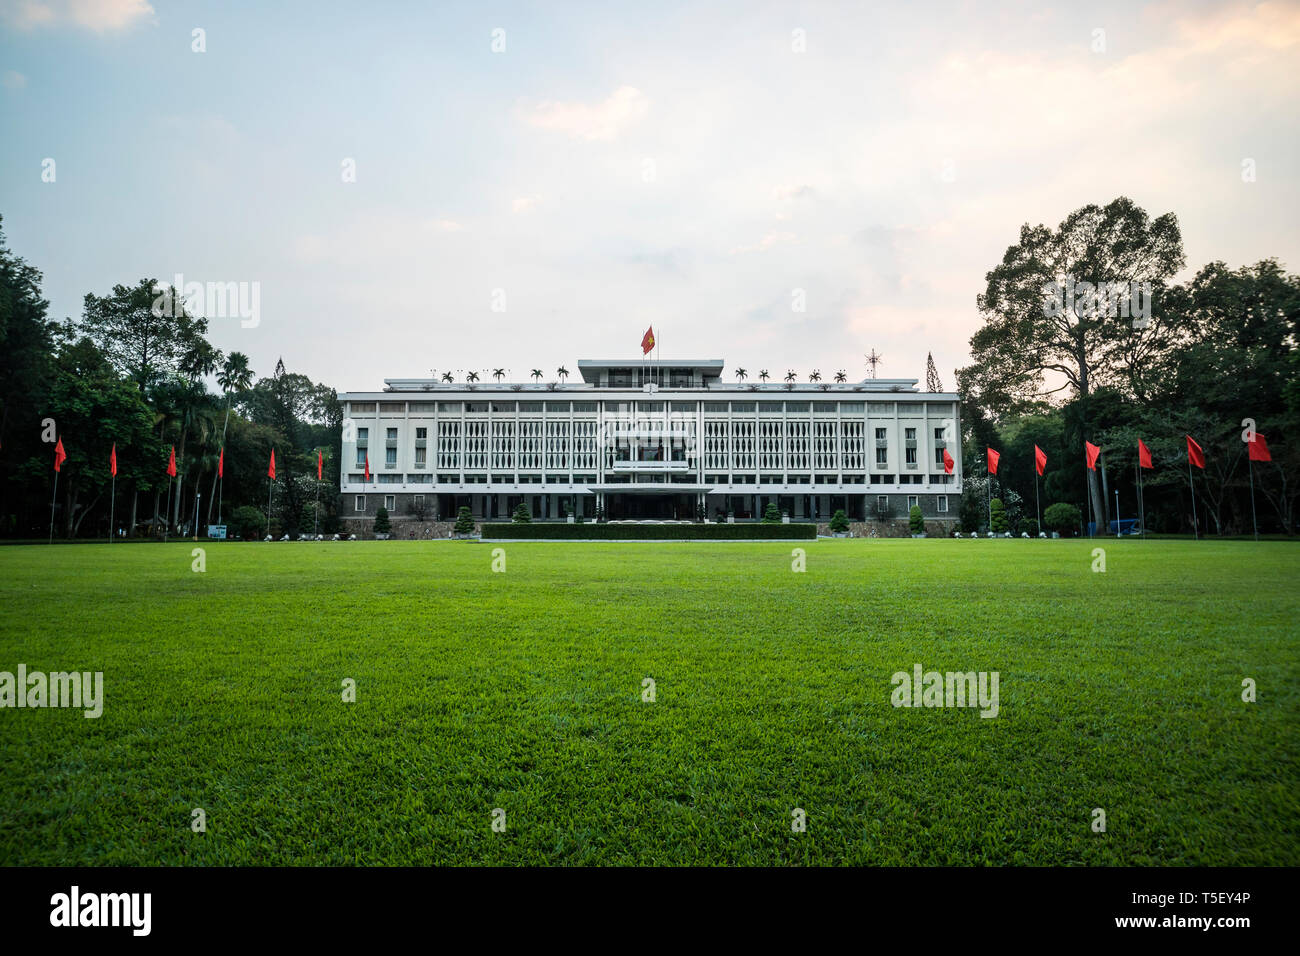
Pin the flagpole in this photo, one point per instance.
(167, 518)
(52, 501)
(1142, 508)
(1251, 465)
(1196, 524)
(112, 506)
(1037, 506)
(316, 511)
(270, 483)
(221, 484)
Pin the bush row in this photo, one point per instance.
(644, 532)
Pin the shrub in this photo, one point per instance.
(464, 521)
(248, 523)
(1062, 518)
(916, 520)
(382, 524)
(998, 517)
(1029, 526)
(771, 514)
(644, 532)
(521, 515)
(839, 521)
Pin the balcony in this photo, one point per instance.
(652, 466)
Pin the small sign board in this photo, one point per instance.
(216, 531)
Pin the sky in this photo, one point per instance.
(415, 188)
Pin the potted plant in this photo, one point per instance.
(917, 521)
(464, 522)
(840, 524)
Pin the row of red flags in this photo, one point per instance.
(1256, 448)
(60, 456)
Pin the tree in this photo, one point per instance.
(772, 514)
(145, 331)
(464, 521)
(916, 521)
(764, 375)
(498, 374)
(521, 515)
(537, 373)
(998, 517)
(247, 523)
(1041, 321)
(562, 372)
(841, 377)
(382, 524)
(740, 374)
(932, 383)
(1063, 518)
(235, 376)
(839, 522)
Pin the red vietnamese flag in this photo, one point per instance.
(993, 458)
(1040, 459)
(1092, 451)
(367, 469)
(59, 455)
(270, 472)
(1258, 449)
(112, 461)
(1194, 453)
(1144, 455)
(221, 463)
(947, 462)
(171, 463)
(648, 340)
(320, 461)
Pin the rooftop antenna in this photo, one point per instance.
(873, 360)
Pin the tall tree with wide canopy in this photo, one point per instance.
(1027, 353)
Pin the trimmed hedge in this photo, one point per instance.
(651, 532)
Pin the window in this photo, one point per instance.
(942, 501)
(882, 456)
(392, 434)
(880, 435)
(911, 456)
(882, 503)
(360, 503)
(390, 502)
(363, 441)
(417, 502)
(938, 456)
(938, 434)
(507, 407)
(909, 434)
(390, 457)
(913, 501)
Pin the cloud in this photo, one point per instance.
(524, 204)
(764, 244)
(101, 16)
(625, 107)
(13, 80)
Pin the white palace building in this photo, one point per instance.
(650, 440)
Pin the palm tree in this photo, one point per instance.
(841, 377)
(235, 375)
(740, 374)
(562, 372)
(448, 377)
(472, 377)
(815, 376)
(498, 374)
(763, 375)
(790, 377)
(537, 374)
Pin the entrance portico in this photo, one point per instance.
(627, 502)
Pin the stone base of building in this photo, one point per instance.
(896, 528)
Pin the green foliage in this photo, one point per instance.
(771, 514)
(1063, 518)
(522, 515)
(606, 779)
(247, 523)
(915, 520)
(652, 532)
(998, 517)
(1029, 526)
(839, 522)
(382, 524)
(464, 521)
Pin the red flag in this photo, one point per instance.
(648, 340)
(270, 472)
(1092, 451)
(993, 461)
(947, 462)
(367, 469)
(221, 463)
(1144, 455)
(112, 461)
(1040, 459)
(1258, 449)
(1194, 453)
(171, 463)
(319, 462)
(59, 455)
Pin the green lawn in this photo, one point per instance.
(523, 691)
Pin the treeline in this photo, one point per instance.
(1211, 358)
(132, 376)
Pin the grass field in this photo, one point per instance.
(522, 691)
